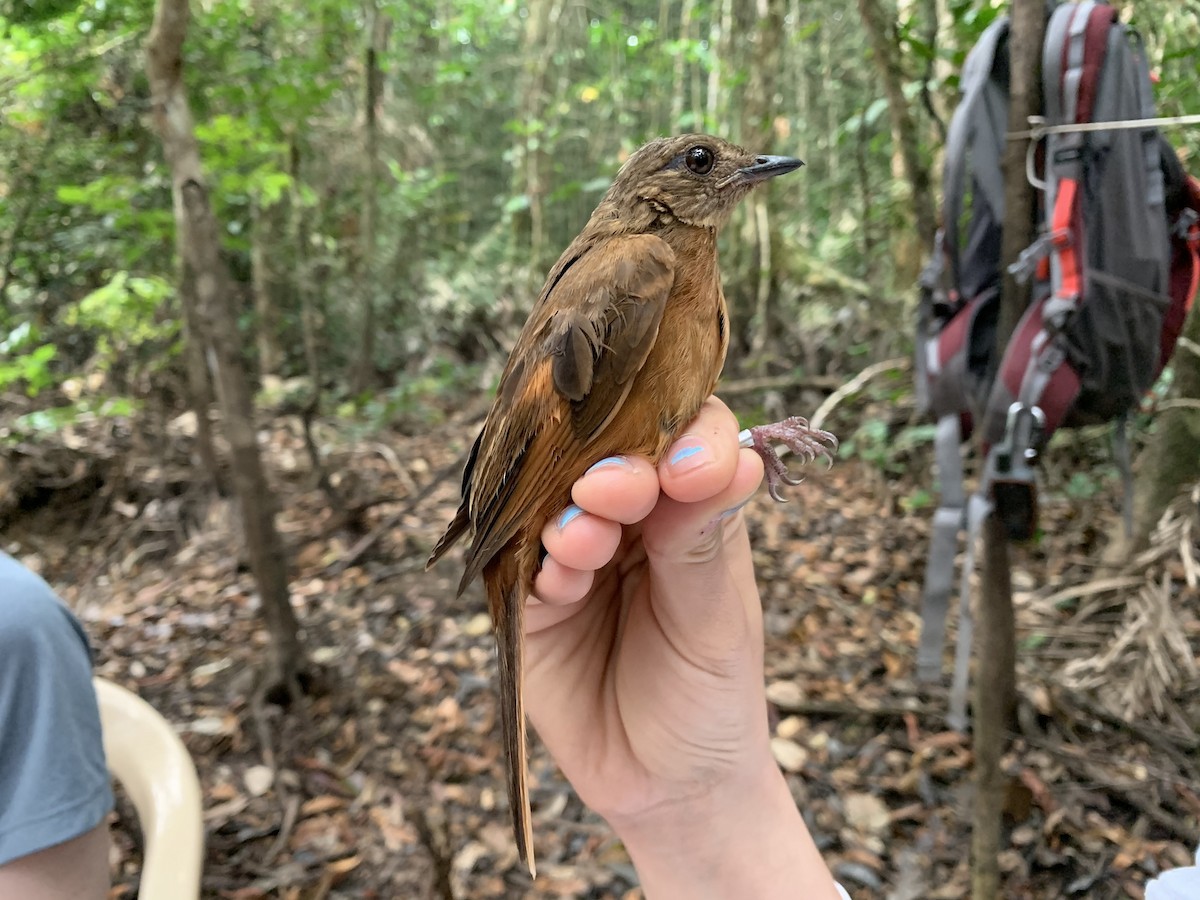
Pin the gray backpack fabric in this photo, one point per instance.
(1110, 285)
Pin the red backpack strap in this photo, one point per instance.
(1188, 226)
(1080, 55)
(1185, 272)
(1032, 373)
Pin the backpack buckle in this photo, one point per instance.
(932, 273)
(1187, 226)
(1014, 479)
(1049, 359)
(1030, 258)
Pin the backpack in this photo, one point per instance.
(1114, 269)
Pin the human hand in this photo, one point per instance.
(644, 671)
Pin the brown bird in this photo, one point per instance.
(624, 344)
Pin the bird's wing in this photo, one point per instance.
(461, 522)
(566, 379)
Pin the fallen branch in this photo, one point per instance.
(337, 503)
(1173, 743)
(1090, 589)
(355, 553)
(1187, 344)
(1180, 403)
(835, 709)
(291, 811)
(1135, 795)
(792, 381)
(856, 384)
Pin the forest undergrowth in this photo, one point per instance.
(387, 783)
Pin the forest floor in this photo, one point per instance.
(390, 785)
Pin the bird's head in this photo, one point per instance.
(694, 179)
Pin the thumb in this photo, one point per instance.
(702, 575)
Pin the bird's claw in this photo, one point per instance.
(794, 433)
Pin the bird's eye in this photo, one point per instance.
(699, 160)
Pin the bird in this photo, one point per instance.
(625, 342)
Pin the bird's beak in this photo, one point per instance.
(765, 167)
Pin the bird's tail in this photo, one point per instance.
(507, 606)
(456, 529)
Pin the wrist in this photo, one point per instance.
(744, 837)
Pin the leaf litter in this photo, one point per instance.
(390, 783)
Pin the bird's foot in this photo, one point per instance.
(794, 433)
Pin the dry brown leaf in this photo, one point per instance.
(322, 804)
(867, 814)
(790, 755)
(258, 780)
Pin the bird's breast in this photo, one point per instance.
(679, 374)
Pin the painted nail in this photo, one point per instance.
(732, 511)
(609, 462)
(688, 454)
(569, 515)
(721, 517)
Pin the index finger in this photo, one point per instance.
(620, 488)
(703, 459)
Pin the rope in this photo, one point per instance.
(1039, 129)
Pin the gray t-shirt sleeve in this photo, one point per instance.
(54, 783)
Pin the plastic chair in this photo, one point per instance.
(149, 760)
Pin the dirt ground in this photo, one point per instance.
(389, 783)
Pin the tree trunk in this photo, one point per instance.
(30, 192)
(995, 693)
(758, 134)
(823, 90)
(1025, 100)
(720, 36)
(200, 390)
(994, 705)
(662, 113)
(1170, 461)
(305, 277)
(538, 41)
(697, 91)
(904, 126)
(679, 89)
(309, 280)
(935, 69)
(198, 242)
(864, 194)
(804, 89)
(363, 376)
(266, 314)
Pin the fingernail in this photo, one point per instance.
(732, 511)
(608, 462)
(688, 454)
(721, 517)
(569, 515)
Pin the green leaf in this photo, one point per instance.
(920, 47)
(596, 184)
(875, 110)
(73, 194)
(516, 204)
(914, 436)
(36, 12)
(32, 370)
(272, 185)
(25, 333)
(918, 500)
(1034, 641)
(1082, 486)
